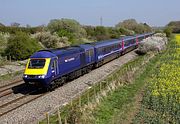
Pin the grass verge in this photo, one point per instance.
(120, 101)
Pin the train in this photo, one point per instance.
(53, 67)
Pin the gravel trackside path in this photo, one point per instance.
(35, 110)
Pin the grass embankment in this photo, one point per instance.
(100, 103)
(119, 106)
(161, 102)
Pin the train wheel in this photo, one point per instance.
(52, 86)
(61, 81)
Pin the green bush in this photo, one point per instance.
(49, 40)
(168, 31)
(3, 41)
(101, 33)
(28, 30)
(21, 46)
(175, 25)
(67, 28)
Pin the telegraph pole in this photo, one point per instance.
(101, 21)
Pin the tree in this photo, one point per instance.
(168, 31)
(101, 33)
(125, 31)
(15, 24)
(128, 24)
(113, 33)
(132, 25)
(67, 27)
(175, 25)
(21, 46)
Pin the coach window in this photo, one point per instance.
(87, 53)
(132, 41)
(91, 52)
(104, 50)
(126, 43)
(119, 45)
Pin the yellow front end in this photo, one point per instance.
(38, 71)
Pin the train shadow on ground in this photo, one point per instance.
(27, 89)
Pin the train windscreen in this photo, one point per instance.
(36, 63)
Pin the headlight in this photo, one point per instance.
(25, 76)
(41, 76)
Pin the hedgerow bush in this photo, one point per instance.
(49, 40)
(3, 41)
(168, 31)
(20, 46)
(155, 43)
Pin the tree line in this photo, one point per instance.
(24, 41)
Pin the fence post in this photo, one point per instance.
(100, 86)
(10, 58)
(6, 58)
(65, 120)
(47, 117)
(94, 93)
(79, 101)
(59, 116)
(71, 103)
(88, 96)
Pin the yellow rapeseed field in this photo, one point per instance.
(166, 83)
(177, 37)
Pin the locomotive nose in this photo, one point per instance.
(37, 66)
(37, 71)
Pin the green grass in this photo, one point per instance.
(122, 97)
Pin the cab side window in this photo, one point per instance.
(53, 65)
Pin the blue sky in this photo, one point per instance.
(88, 12)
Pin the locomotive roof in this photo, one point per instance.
(43, 54)
(57, 52)
(86, 46)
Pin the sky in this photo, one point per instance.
(89, 12)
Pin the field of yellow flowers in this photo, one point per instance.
(161, 102)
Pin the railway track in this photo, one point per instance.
(18, 102)
(7, 89)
